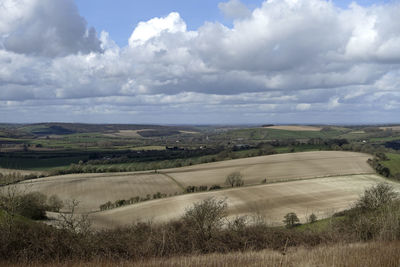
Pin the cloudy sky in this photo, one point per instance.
(200, 62)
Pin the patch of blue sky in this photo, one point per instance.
(119, 18)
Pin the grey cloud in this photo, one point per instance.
(50, 28)
(234, 9)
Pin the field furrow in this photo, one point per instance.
(93, 190)
(322, 196)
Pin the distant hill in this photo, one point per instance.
(40, 129)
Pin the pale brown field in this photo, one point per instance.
(189, 132)
(273, 168)
(321, 196)
(295, 128)
(135, 133)
(393, 128)
(125, 133)
(92, 190)
(21, 172)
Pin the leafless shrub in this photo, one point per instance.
(70, 220)
(377, 196)
(206, 217)
(234, 179)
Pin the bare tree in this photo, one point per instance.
(72, 221)
(377, 196)
(312, 218)
(234, 179)
(55, 203)
(291, 219)
(206, 217)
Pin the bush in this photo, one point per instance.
(206, 218)
(234, 179)
(312, 218)
(54, 203)
(31, 205)
(215, 187)
(377, 196)
(291, 219)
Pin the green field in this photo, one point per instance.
(393, 163)
(275, 134)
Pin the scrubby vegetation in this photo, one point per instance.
(133, 200)
(203, 229)
(386, 164)
(15, 177)
(32, 205)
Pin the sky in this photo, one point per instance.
(200, 62)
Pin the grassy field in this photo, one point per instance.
(321, 196)
(276, 134)
(393, 163)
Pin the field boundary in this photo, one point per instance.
(247, 186)
(173, 179)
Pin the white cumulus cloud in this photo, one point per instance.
(144, 31)
(284, 59)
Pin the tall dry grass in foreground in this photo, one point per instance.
(363, 255)
(372, 254)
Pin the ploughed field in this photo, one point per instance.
(295, 128)
(271, 202)
(93, 190)
(319, 182)
(275, 168)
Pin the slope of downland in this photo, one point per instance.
(92, 190)
(295, 128)
(274, 168)
(321, 196)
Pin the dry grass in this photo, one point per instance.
(295, 128)
(322, 196)
(370, 254)
(383, 254)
